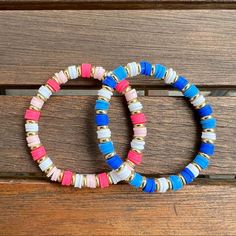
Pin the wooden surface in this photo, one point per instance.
(195, 37)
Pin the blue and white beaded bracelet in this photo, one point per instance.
(117, 79)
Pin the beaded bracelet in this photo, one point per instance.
(32, 115)
(191, 92)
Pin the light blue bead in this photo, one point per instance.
(120, 73)
(176, 182)
(73, 72)
(137, 180)
(191, 91)
(106, 148)
(46, 92)
(209, 123)
(201, 161)
(102, 105)
(160, 71)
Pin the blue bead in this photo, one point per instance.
(176, 182)
(187, 177)
(137, 180)
(180, 83)
(160, 71)
(191, 91)
(146, 68)
(106, 148)
(209, 123)
(207, 148)
(109, 81)
(150, 186)
(201, 161)
(190, 173)
(205, 111)
(114, 162)
(120, 73)
(102, 105)
(102, 119)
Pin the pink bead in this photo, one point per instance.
(135, 157)
(32, 115)
(91, 181)
(120, 87)
(37, 102)
(38, 153)
(53, 84)
(132, 94)
(99, 72)
(141, 132)
(138, 118)
(67, 178)
(61, 77)
(103, 180)
(50, 173)
(86, 70)
(33, 140)
(56, 174)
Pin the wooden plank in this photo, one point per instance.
(45, 209)
(197, 43)
(115, 4)
(68, 132)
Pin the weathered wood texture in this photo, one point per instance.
(45, 209)
(199, 44)
(68, 132)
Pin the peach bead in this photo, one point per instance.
(37, 102)
(140, 132)
(33, 140)
(61, 77)
(99, 72)
(132, 94)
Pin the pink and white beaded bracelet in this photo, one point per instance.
(38, 151)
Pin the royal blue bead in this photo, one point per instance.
(150, 186)
(187, 177)
(209, 123)
(146, 68)
(191, 91)
(207, 148)
(190, 173)
(160, 71)
(114, 162)
(180, 83)
(176, 182)
(205, 111)
(137, 180)
(201, 161)
(120, 73)
(106, 148)
(109, 81)
(102, 105)
(102, 119)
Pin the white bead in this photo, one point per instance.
(137, 144)
(209, 135)
(46, 92)
(73, 72)
(105, 93)
(45, 164)
(124, 173)
(198, 100)
(78, 181)
(56, 174)
(136, 106)
(31, 127)
(133, 68)
(163, 183)
(115, 178)
(193, 169)
(104, 133)
(50, 173)
(171, 76)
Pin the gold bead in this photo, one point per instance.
(104, 140)
(186, 87)
(205, 140)
(132, 101)
(101, 112)
(109, 178)
(204, 155)
(107, 88)
(103, 98)
(135, 112)
(201, 105)
(49, 87)
(67, 74)
(109, 155)
(193, 98)
(208, 130)
(206, 117)
(41, 159)
(196, 165)
(169, 183)
(31, 134)
(121, 167)
(182, 179)
(153, 70)
(175, 79)
(54, 77)
(49, 169)
(166, 74)
(139, 126)
(128, 71)
(127, 90)
(115, 78)
(139, 68)
(136, 150)
(73, 179)
(34, 108)
(92, 71)
(157, 184)
(97, 180)
(31, 122)
(84, 184)
(144, 182)
(130, 163)
(102, 127)
(79, 70)
(40, 96)
(130, 177)
(139, 138)
(36, 146)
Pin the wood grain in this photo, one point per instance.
(44, 209)
(197, 43)
(68, 132)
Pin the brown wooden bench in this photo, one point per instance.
(197, 38)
